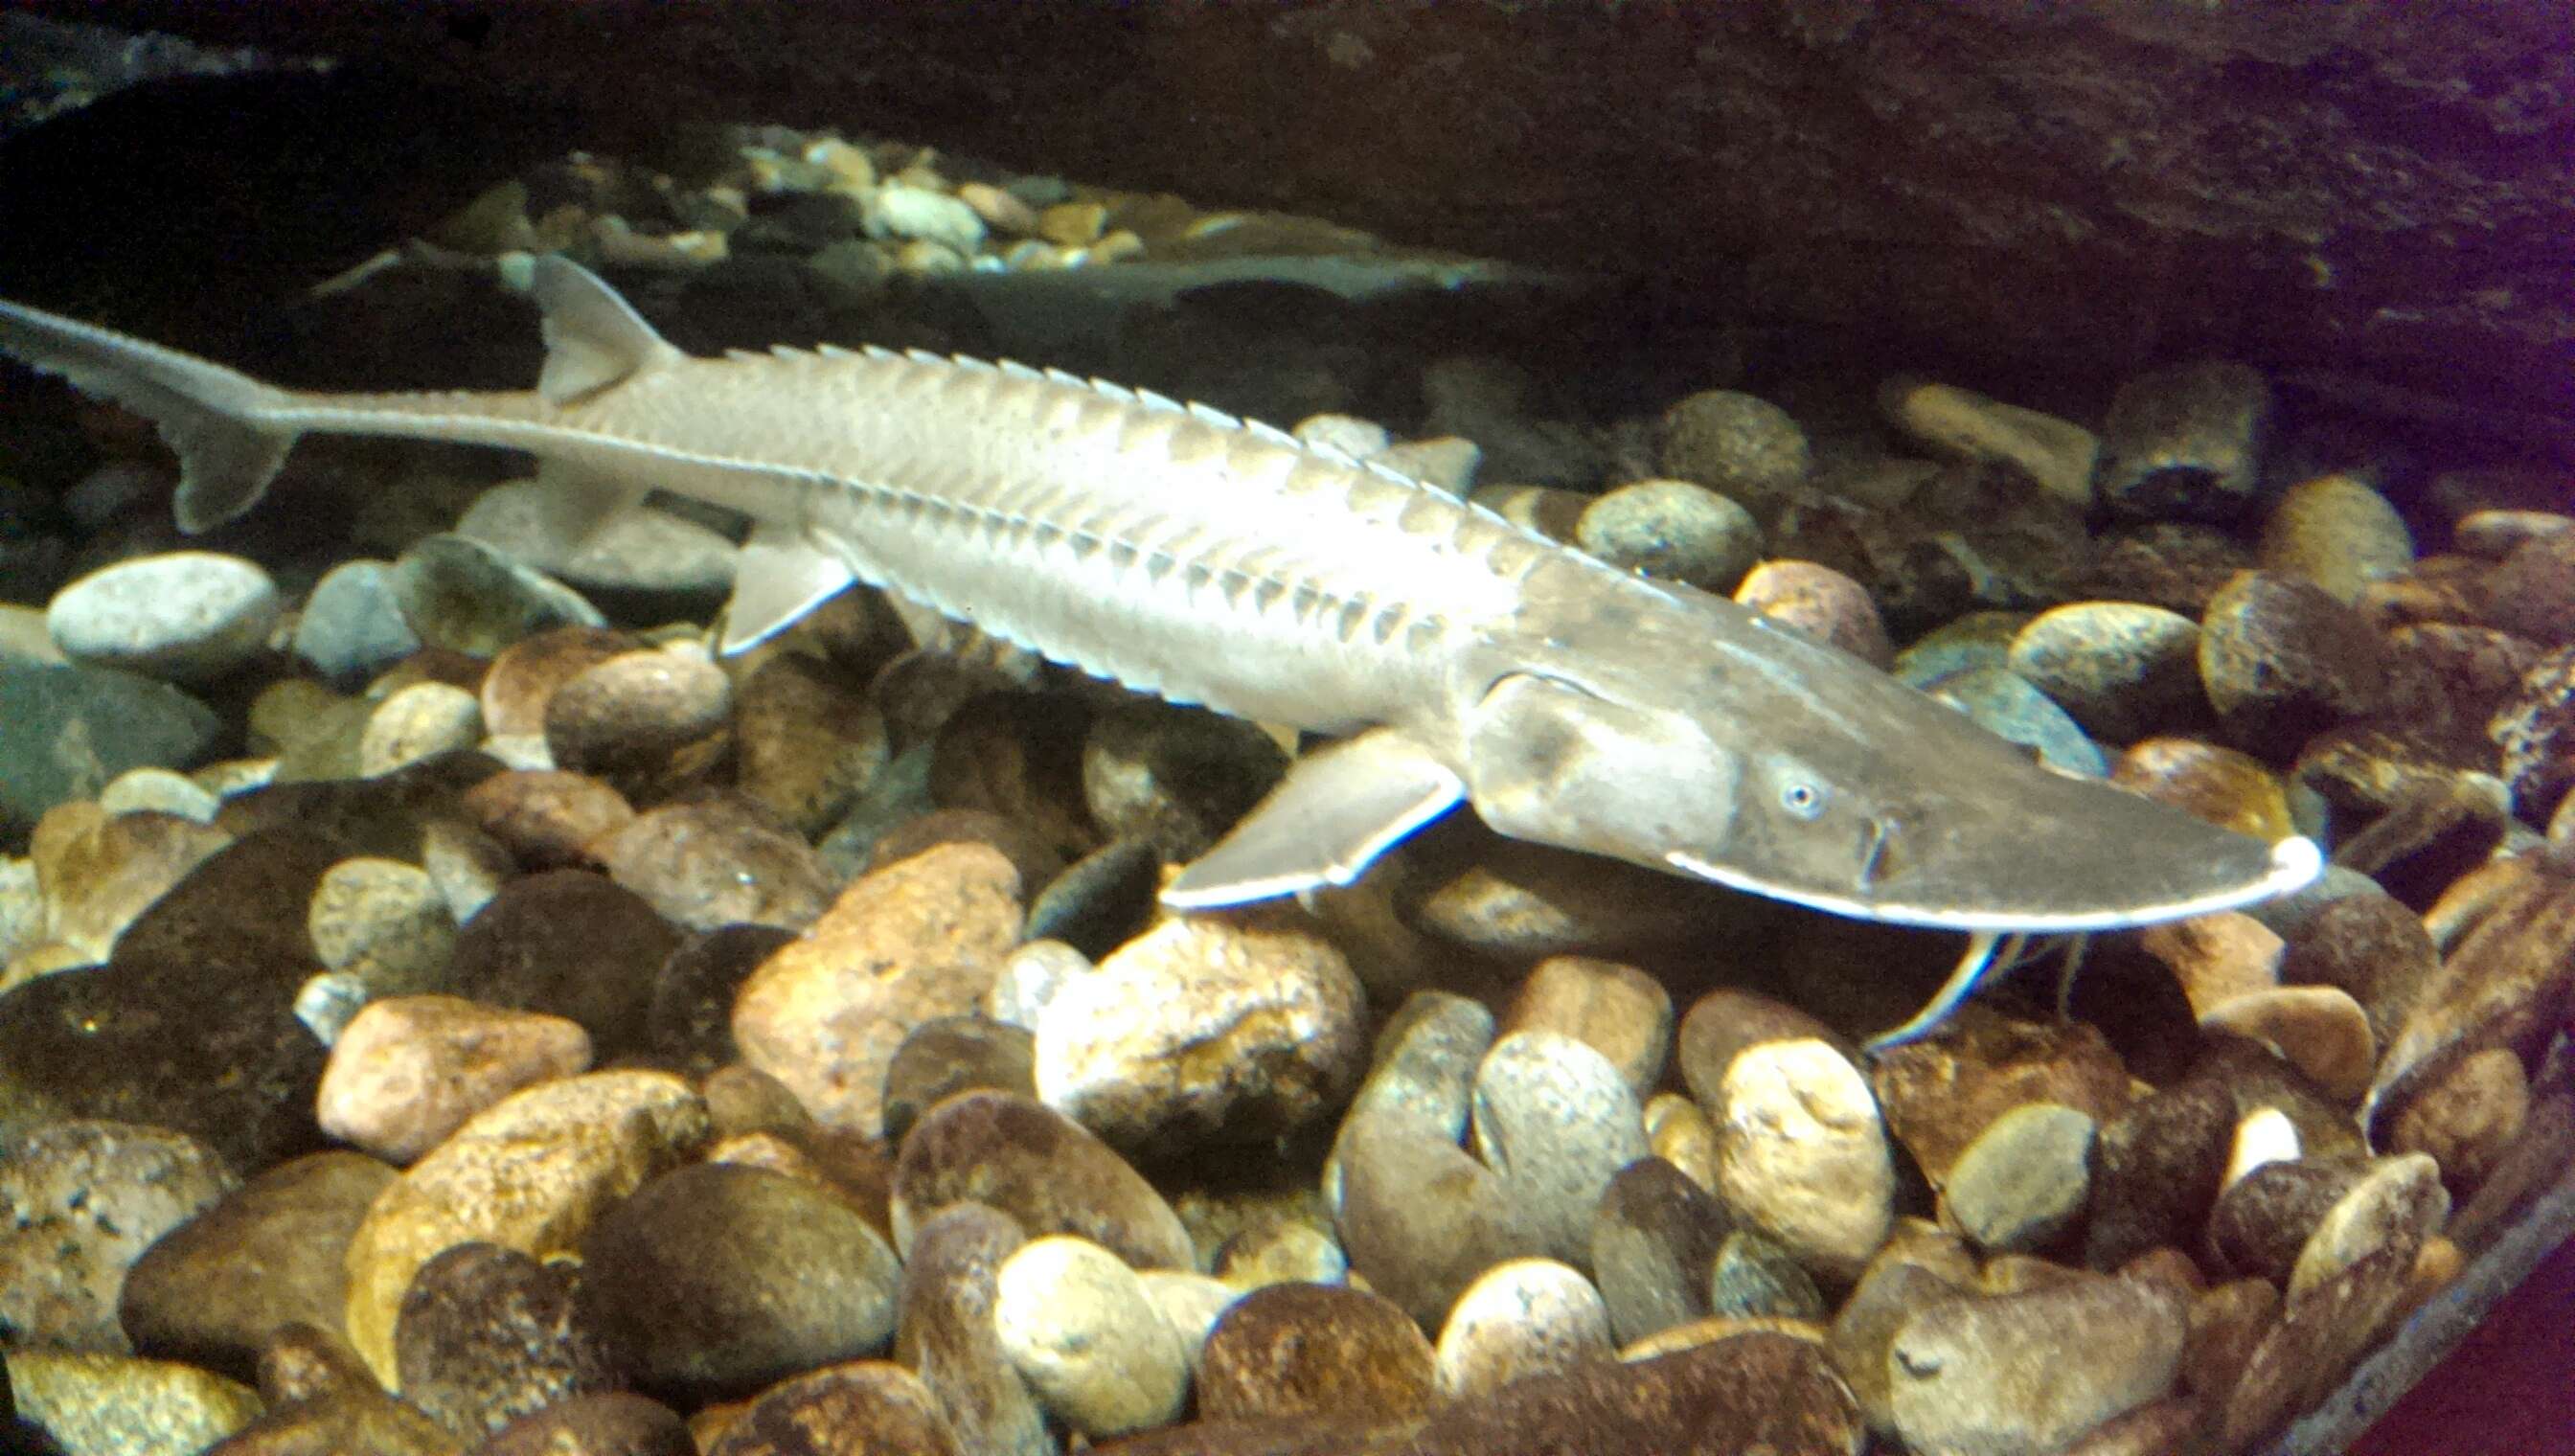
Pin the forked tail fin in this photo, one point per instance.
(209, 414)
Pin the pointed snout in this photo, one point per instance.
(2081, 856)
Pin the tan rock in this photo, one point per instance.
(918, 940)
(408, 1070)
(529, 1174)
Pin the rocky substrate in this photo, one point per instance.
(446, 1010)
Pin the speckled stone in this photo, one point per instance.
(1743, 448)
(1080, 1328)
(717, 1279)
(1315, 1349)
(647, 722)
(488, 1334)
(1960, 1368)
(384, 923)
(1751, 1392)
(945, 1333)
(182, 616)
(2534, 728)
(529, 1172)
(862, 1405)
(1614, 1008)
(420, 722)
(1040, 1168)
(2155, 1170)
(1555, 1121)
(2123, 669)
(80, 1200)
(1203, 1029)
(118, 1406)
(919, 939)
(1673, 531)
(524, 676)
(408, 1070)
(2283, 660)
(1521, 1318)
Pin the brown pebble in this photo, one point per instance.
(547, 817)
(1822, 603)
(1752, 1392)
(611, 1423)
(864, 1405)
(1040, 1168)
(807, 741)
(2466, 1116)
(1314, 1350)
(2229, 789)
(570, 943)
(650, 723)
(527, 673)
(1941, 1092)
(1616, 1009)
(717, 861)
(213, 1290)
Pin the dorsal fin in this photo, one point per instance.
(594, 338)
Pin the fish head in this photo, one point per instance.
(1678, 730)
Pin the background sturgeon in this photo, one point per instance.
(1181, 552)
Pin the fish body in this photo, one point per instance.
(1184, 553)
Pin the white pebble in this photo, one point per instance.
(1082, 1330)
(1520, 1317)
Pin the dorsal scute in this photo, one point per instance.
(1210, 415)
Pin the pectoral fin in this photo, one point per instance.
(778, 578)
(1336, 811)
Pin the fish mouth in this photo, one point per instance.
(2294, 863)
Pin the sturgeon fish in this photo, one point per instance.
(1184, 553)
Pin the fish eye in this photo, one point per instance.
(1804, 799)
